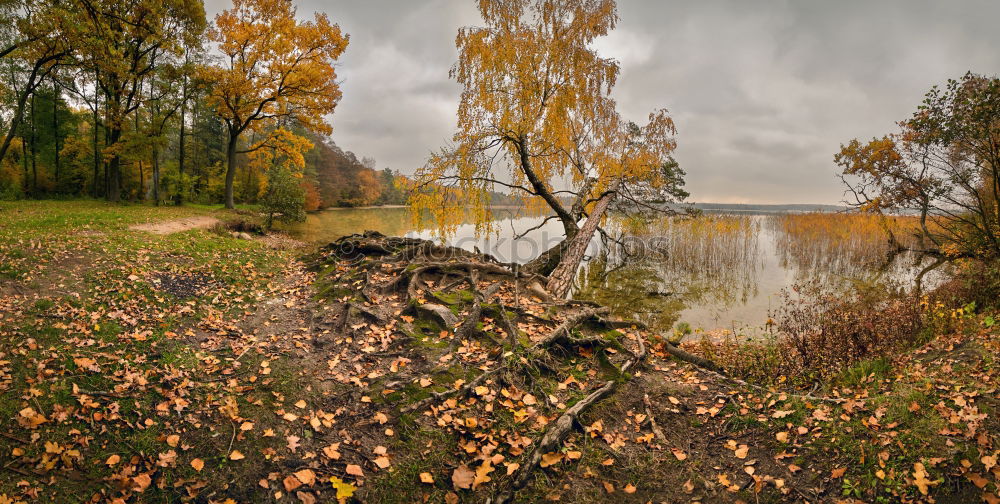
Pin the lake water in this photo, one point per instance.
(719, 273)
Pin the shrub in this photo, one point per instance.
(826, 330)
(284, 199)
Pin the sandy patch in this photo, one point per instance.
(177, 225)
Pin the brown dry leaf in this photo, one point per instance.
(354, 470)
(306, 497)
(920, 478)
(293, 442)
(306, 476)
(463, 477)
(679, 453)
(838, 472)
(742, 451)
(482, 474)
(426, 477)
(608, 487)
(198, 464)
(629, 489)
(331, 451)
(142, 482)
(291, 483)
(246, 426)
(688, 487)
(782, 436)
(173, 439)
(381, 418)
(236, 455)
(551, 458)
(112, 460)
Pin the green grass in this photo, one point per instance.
(50, 248)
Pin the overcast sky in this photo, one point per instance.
(763, 92)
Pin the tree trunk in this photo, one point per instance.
(29, 91)
(34, 165)
(156, 177)
(561, 278)
(231, 167)
(97, 156)
(15, 122)
(142, 176)
(569, 223)
(55, 125)
(113, 174)
(180, 148)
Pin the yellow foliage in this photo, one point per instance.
(535, 112)
(274, 65)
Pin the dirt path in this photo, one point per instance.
(178, 225)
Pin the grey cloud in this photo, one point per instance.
(763, 92)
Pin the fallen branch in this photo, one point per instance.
(13, 437)
(562, 331)
(714, 369)
(652, 420)
(561, 428)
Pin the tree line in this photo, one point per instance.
(145, 100)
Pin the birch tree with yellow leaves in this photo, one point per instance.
(275, 70)
(536, 118)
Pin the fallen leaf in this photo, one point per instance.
(198, 464)
(426, 477)
(463, 477)
(306, 476)
(291, 483)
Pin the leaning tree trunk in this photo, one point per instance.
(561, 278)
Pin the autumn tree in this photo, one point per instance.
(274, 68)
(31, 50)
(536, 118)
(943, 165)
(120, 42)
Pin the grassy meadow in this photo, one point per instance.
(195, 366)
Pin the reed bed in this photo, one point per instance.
(840, 243)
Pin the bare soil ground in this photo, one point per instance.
(178, 225)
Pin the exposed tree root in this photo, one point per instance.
(563, 425)
(408, 270)
(714, 370)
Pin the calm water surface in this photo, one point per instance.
(719, 273)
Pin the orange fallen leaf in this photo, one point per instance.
(463, 477)
(306, 476)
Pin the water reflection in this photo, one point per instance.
(716, 272)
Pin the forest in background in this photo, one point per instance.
(141, 107)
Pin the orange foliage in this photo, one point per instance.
(313, 201)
